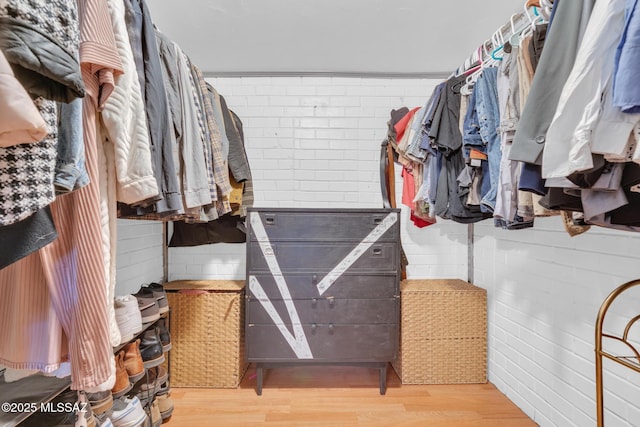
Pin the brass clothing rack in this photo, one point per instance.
(631, 362)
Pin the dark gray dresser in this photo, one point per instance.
(322, 288)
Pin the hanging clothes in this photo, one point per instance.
(571, 18)
(58, 307)
(161, 138)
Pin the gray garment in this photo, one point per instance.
(247, 191)
(145, 51)
(193, 173)
(40, 40)
(217, 114)
(570, 20)
(238, 164)
(606, 195)
(448, 139)
(27, 236)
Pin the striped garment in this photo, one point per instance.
(56, 299)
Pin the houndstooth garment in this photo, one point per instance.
(27, 170)
(56, 18)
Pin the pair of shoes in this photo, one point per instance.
(128, 412)
(165, 405)
(100, 402)
(150, 385)
(158, 393)
(152, 302)
(161, 296)
(151, 348)
(165, 337)
(128, 317)
(122, 384)
(148, 305)
(133, 362)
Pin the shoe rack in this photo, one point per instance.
(34, 390)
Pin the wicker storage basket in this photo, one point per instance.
(207, 333)
(443, 332)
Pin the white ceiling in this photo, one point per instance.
(245, 37)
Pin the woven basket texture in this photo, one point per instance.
(207, 332)
(443, 332)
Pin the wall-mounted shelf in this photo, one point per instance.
(631, 361)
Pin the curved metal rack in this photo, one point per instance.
(631, 362)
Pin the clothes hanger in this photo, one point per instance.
(514, 39)
(497, 41)
(545, 8)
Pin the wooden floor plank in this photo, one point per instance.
(343, 396)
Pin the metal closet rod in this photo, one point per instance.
(354, 74)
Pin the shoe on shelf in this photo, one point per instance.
(100, 402)
(150, 384)
(161, 296)
(128, 412)
(124, 321)
(134, 321)
(165, 337)
(133, 361)
(165, 403)
(148, 305)
(151, 348)
(122, 385)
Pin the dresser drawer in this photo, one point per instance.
(326, 310)
(326, 226)
(348, 285)
(324, 257)
(328, 343)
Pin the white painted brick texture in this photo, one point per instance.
(314, 142)
(139, 255)
(545, 289)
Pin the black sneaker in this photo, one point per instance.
(165, 337)
(151, 348)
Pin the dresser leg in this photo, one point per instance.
(383, 379)
(259, 372)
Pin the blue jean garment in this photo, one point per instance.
(489, 120)
(471, 137)
(71, 173)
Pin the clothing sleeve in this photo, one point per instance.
(551, 74)
(125, 124)
(568, 143)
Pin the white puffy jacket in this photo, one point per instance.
(20, 120)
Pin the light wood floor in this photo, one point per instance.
(343, 396)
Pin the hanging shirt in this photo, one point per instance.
(568, 142)
(626, 92)
(556, 62)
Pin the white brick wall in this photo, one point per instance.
(139, 255)
(314, 142)
(544, 292)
